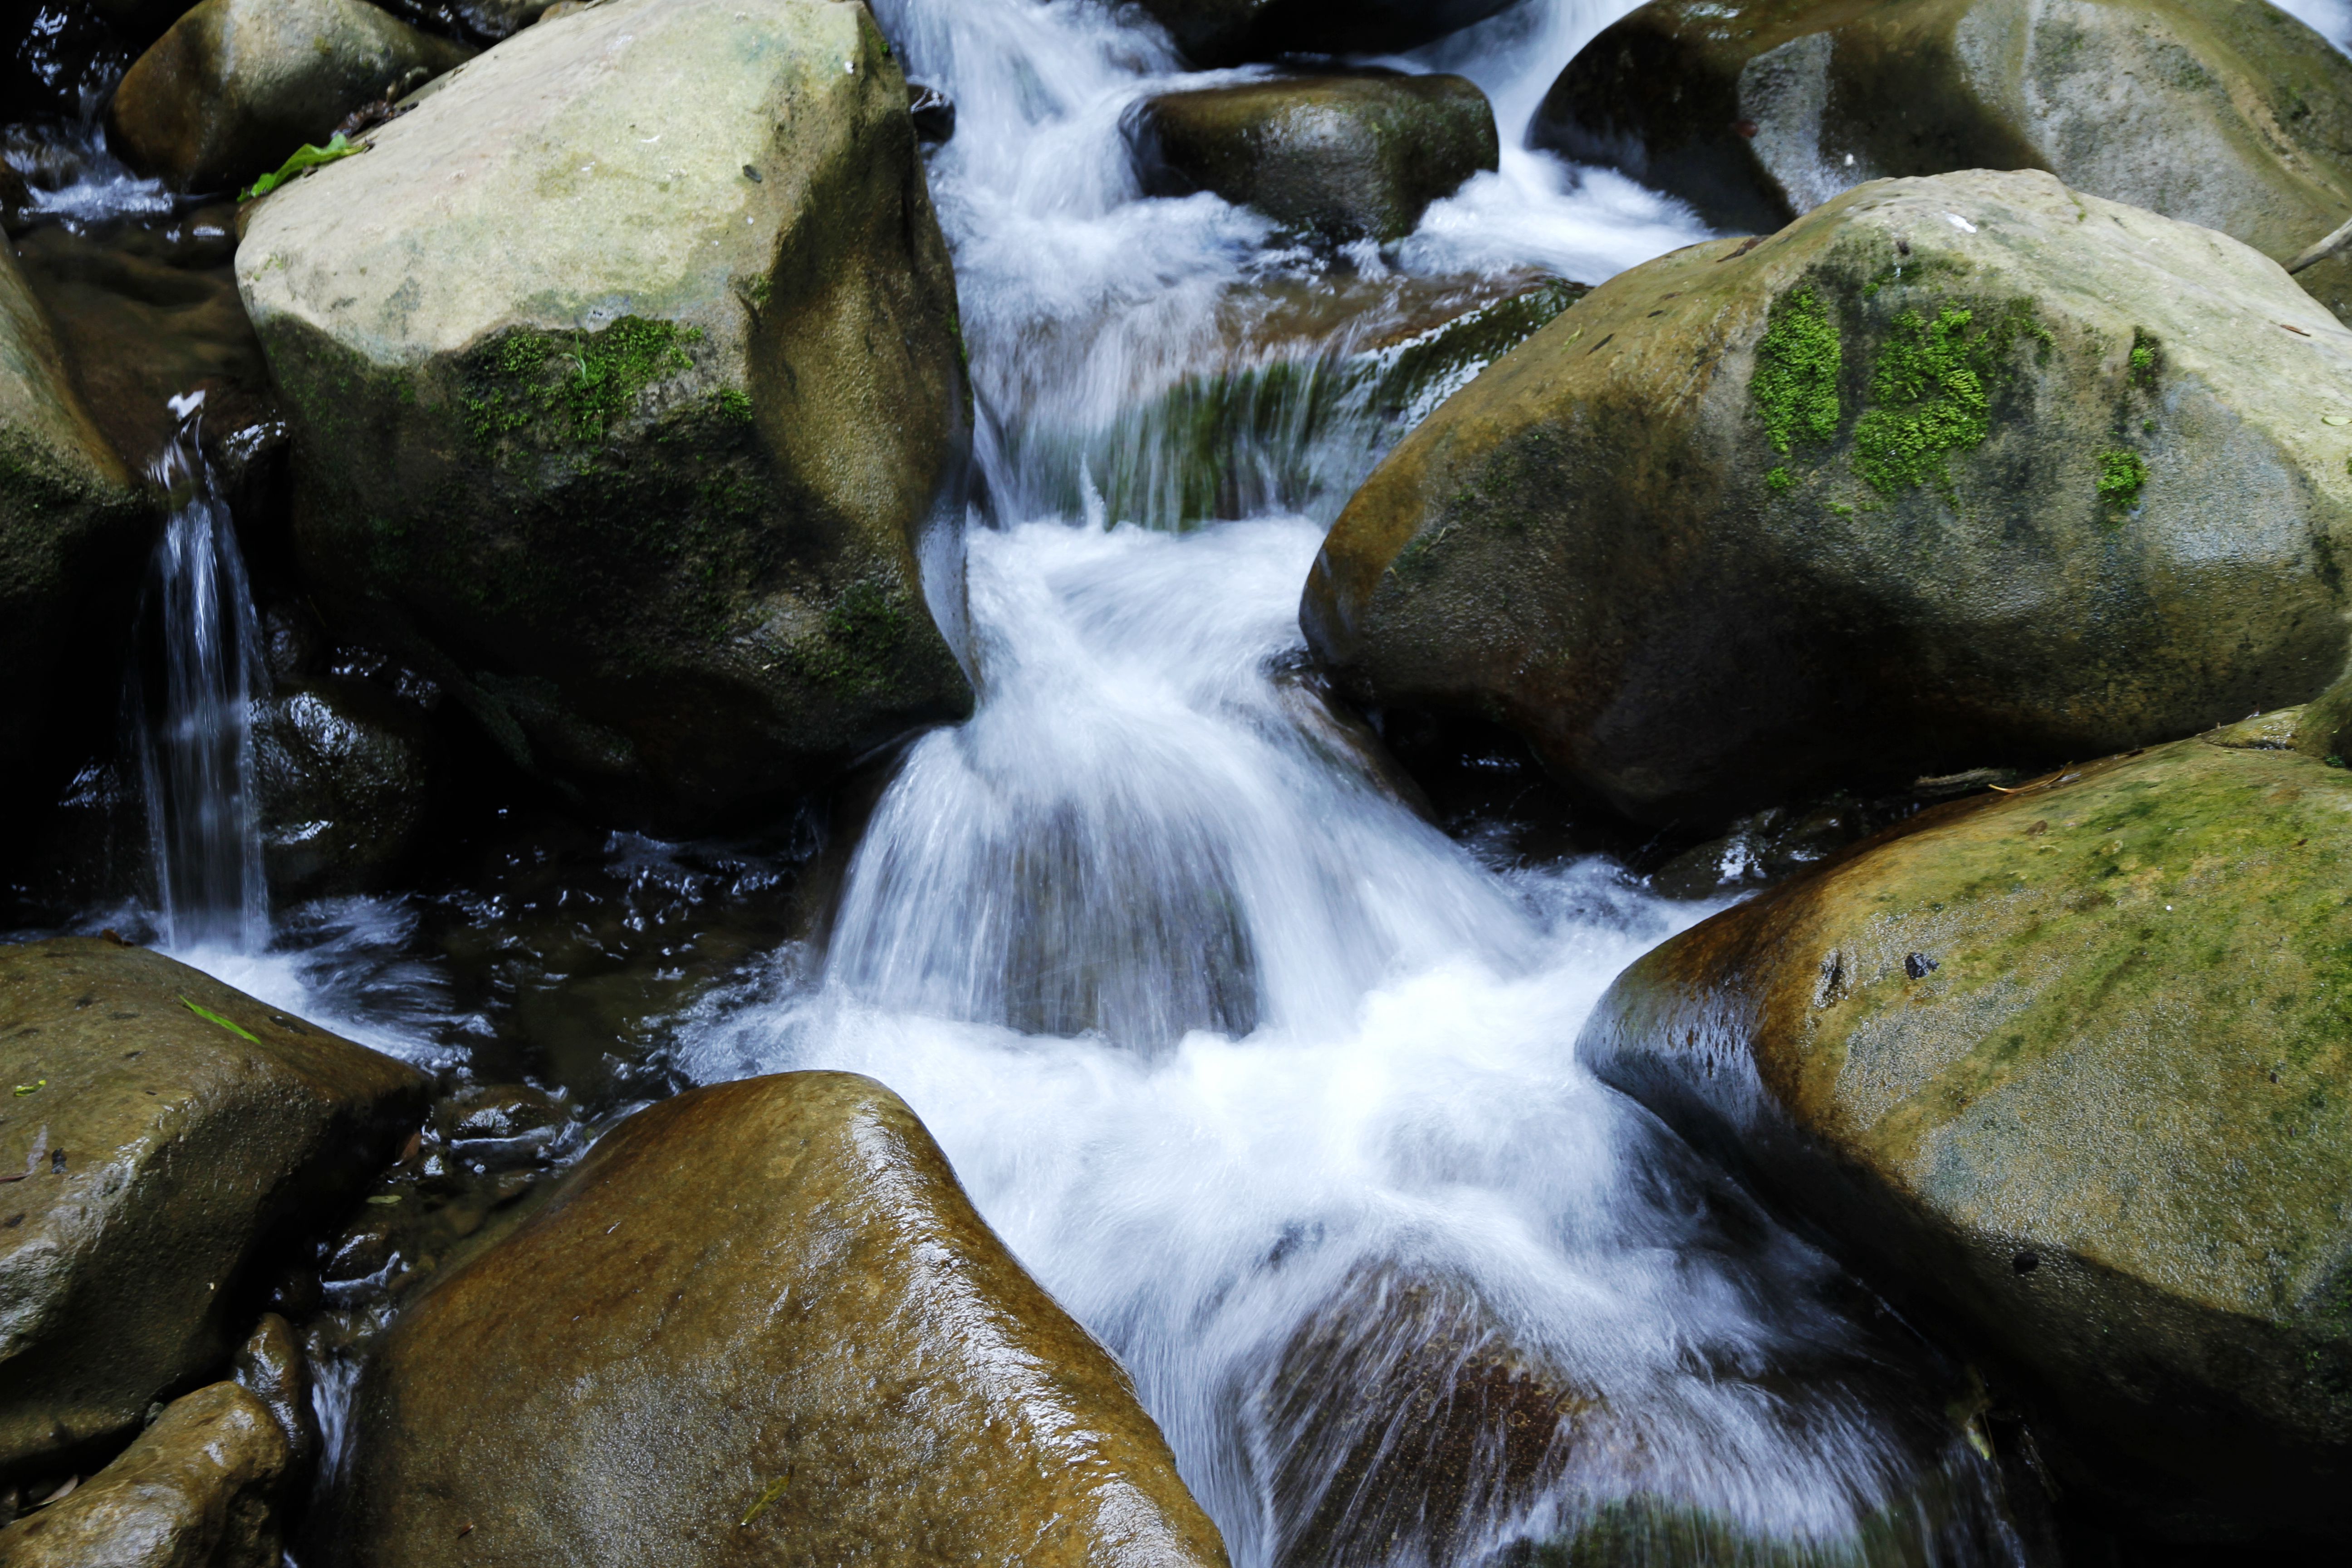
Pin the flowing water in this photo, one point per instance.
(1270, 1080)
(191, 711)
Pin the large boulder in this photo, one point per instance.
(165, 1137)
(1227, 32)
(1951, 471)
(762, 1324)
(1339, 158)
(2227, 114)
(625, 386)
(2068, 1068)
(236, 85)
(73, 537)
(193, 1491)
(349, 778)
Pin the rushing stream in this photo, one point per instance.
(1270, 1080)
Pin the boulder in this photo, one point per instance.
(2068, 1069)
(2234, 116)
(764, 1323)
(165, 1137)
(1950, 473)
(1339, 158)
(193, 1491)
(626, 389)
(1228, 32)
(350, 777)
(73, 537)
(234, 86)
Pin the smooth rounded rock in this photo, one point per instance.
(1341, 158)
(170, 1135)
(193, 1491)
(627, 404)
(1951, 473)
(760, 1322)
(2069, 1071)
(2232, 115)
(234, 86)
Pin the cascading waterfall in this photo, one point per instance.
(1267, 1079)
(192, 708)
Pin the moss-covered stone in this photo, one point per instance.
(1949, 473)
(171, 1135)
(236, 85)
(73, 529)
(615, 440)
(779, 1282)
(2232, 115)
(2069, 1068)
(1341, 158)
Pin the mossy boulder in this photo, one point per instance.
(2226, 113)
(778, 1285)
(73, 535)
(627, 400)
(171, 1135)
(1951, 472)
(195, 1490)
(2069, 1068)
(234, 86)
(1338, 158)
(1228, 32)
(350, 780)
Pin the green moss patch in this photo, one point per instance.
(571, 391)
(1799, 364)
(1931, 392)
(2122, 472)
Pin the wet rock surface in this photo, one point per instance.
(167, 1137)
(1339, 158)
(195, 1490)
(480, 443)
(782, 1277)
(2065, 1067)
(73, 532)
(2234, 117)
(235, 86)
(1760, 517)
(351, 780)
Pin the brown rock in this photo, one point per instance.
(760, 1323)
(191, 1492)
(165, 1155)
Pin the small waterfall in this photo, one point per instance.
(191, 711)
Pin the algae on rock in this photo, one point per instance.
(2068, 1070)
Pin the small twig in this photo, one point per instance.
(2335, 242)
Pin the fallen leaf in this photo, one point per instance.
(62, 1493)
(463, 1531)
(33, 1088)
(775, 1489)
(385, 1198)
(209, 1017)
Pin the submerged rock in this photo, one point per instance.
(2068, 1067)
(1227, 32)
(1341, 158)
(236, 85)
(778, 1284)
(72, 531)
(1950, 473)
(167, 1134)
(625, 388)
(193, 1491)
(2237, 117)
